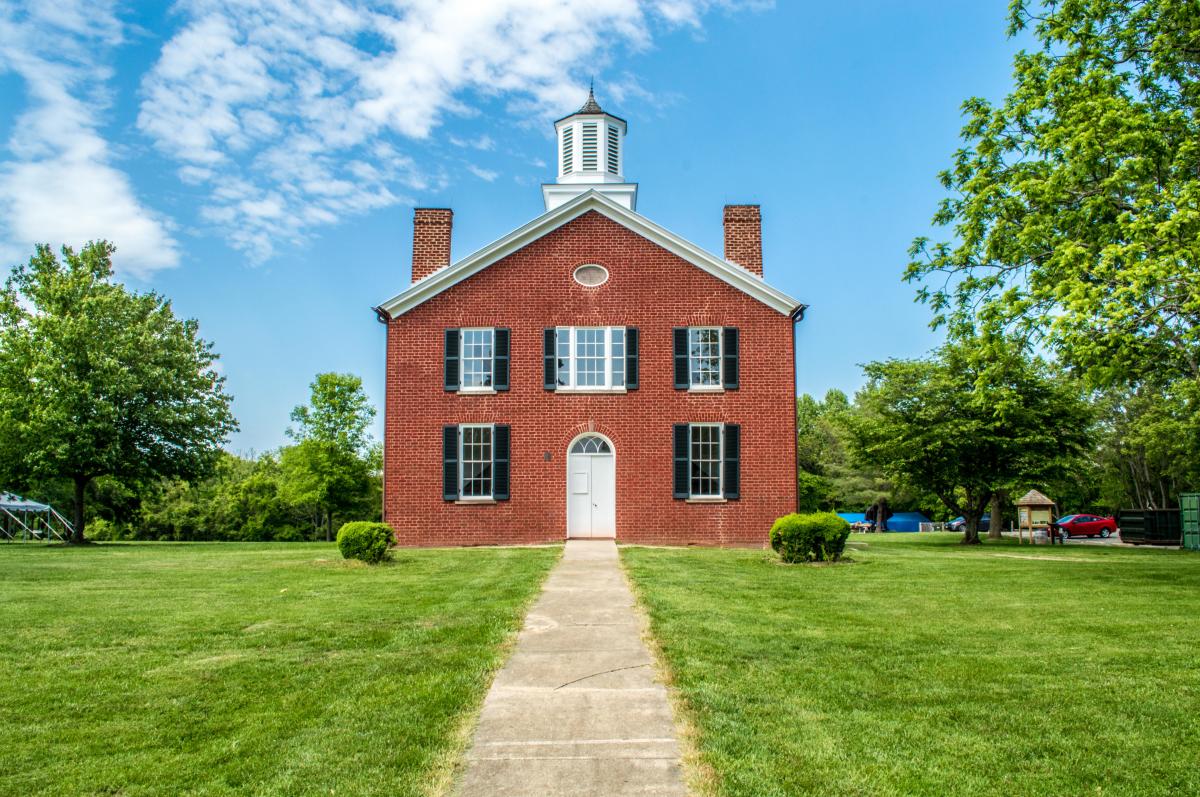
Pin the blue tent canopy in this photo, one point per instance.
(901, 521)
(20, 517)
(15, 503)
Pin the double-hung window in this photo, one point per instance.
(475, 462)
(476, 359)
(707, 461)
(706, 358)
(591, 358)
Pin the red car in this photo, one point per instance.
(1069, 526)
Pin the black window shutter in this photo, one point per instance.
(631, 358)
(500, 358)
(549, 360)
(450, 463)
(682, 461)
(732, 455)
(451, 358)
(729, 349)
(500, 459)
(681, 358)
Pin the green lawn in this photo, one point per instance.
(929, 668)
(216, 669)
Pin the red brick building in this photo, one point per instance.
(590, 374)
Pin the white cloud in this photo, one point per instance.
(481, 173)
(296, 107)
(484, 142)
(60, 184)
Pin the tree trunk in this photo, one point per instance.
(995, 528)
(328, 527)
(971, 527)
(81, 483)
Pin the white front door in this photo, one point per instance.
(591, 489)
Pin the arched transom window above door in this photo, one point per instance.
(591, 445)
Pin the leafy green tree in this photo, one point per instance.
(330, 467)
(242, 499)
(1149, 441)
(339, 412)
(828, 477)
(969, 422)
(1075, 202)
(98, 381)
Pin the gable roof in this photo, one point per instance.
(1034, 498)
(590, 200)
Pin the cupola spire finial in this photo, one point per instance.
(591, 106)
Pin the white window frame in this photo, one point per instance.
(693, 361)
(462, 462)
(572, 385)
(462, 361)
(719, 495)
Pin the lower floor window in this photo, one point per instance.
(475, 471)
(705, 458)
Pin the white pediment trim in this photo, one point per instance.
(451, 275)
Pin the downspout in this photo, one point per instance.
(385, 318)
(796, 316)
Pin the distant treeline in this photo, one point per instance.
(256, 498)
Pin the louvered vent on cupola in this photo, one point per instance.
(590, 161)
(614, 161)
(568, 149)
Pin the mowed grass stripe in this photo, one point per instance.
(215, 669)
(929, 668)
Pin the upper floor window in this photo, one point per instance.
(591, 358)
(706, 358)
(476, 359)
(477, 366)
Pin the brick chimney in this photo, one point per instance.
(743, 237)
(431, 240)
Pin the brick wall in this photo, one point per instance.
(532, 289)
(431, 240)
(743, 237)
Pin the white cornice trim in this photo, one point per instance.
(455, 273)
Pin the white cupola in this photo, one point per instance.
(590, 155)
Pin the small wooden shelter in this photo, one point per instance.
(1034, 511)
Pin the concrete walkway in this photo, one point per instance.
(577, 710)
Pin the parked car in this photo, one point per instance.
(1069, 526)
(960, 523)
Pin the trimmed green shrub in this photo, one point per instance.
(817, 537)
(366, 541)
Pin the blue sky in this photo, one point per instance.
(257, 161)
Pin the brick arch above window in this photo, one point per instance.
(588, 427)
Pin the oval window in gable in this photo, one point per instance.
(591, 275)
